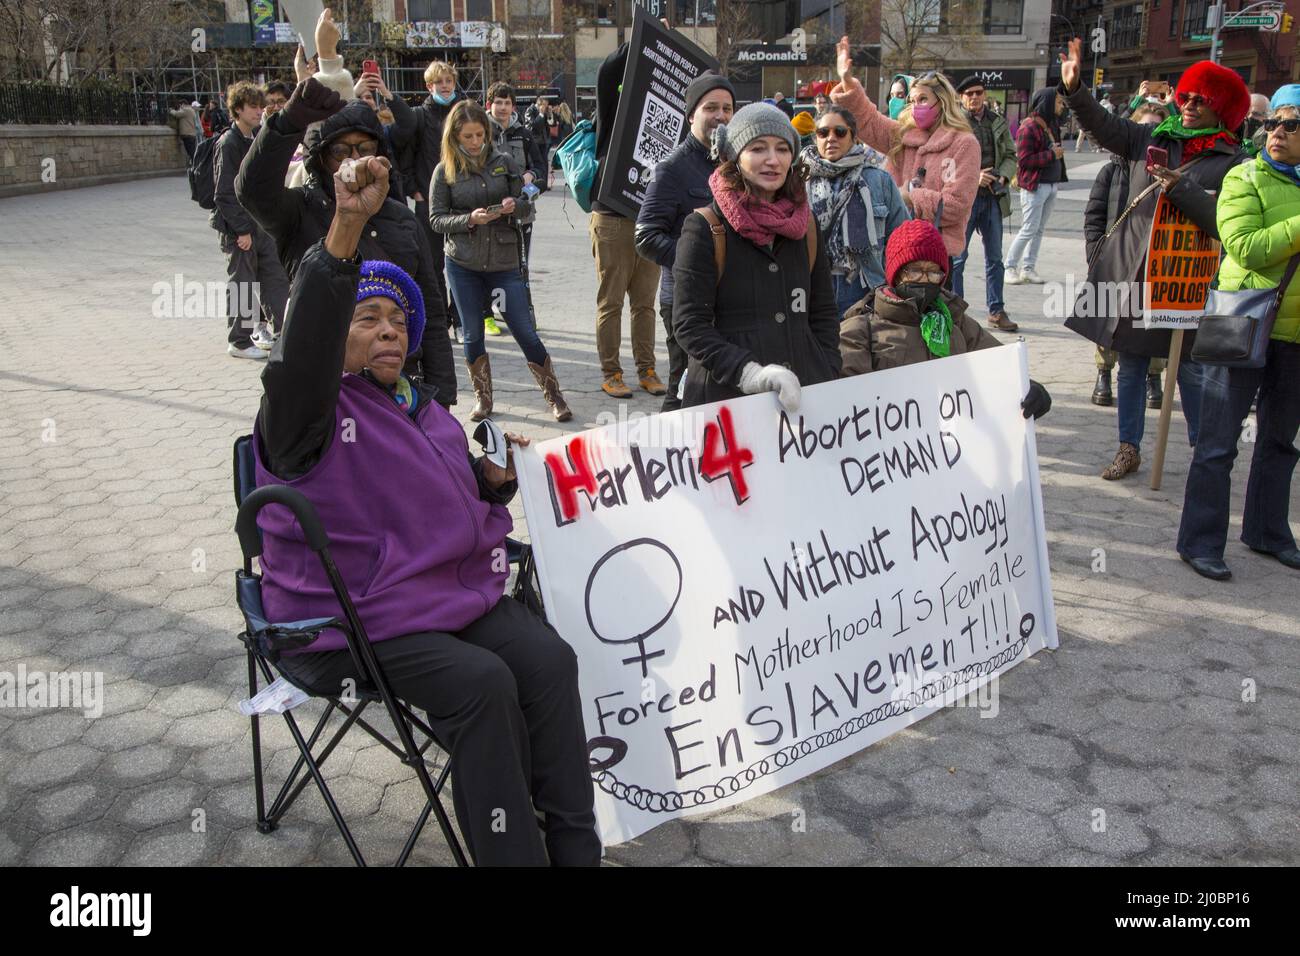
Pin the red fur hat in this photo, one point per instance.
(1224, 88)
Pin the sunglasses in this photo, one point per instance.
(839, 131)
(1290, 125)
(1192, 99)
(973, 93)
(342, 151)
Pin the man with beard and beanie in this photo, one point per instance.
(1210, 102)
(514, 138)
(679, 187)
(993, 201)
(913, 318)
(296, 217)
(1040, 169)
(620, 272)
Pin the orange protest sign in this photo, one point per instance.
(1181, 262)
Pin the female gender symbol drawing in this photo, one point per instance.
(658, 576)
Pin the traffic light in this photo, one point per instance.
(1097, 76)
(1287, 20)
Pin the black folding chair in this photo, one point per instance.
(264, 642)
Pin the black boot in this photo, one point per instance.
(1155, 391)
(1101, 394)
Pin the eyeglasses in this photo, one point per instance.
(909, 274)
(973, 93)
(839, 131)
(342, 151)
(1192, 99)
(1290, 125)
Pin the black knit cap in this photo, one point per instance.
(702, 85)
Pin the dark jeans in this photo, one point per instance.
(1225, 405)
(677, 360)
(986, 216)
(439, 259)
(256, 285)
(477, 293)
(1132, 400)
(188, 143)
(502, 696)
(848, 293)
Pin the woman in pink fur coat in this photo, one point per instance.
(932, 153)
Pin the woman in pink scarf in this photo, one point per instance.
(768, 322)
(933, 155)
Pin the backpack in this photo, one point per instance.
(720, 240)
(577, 157)
(202, 187)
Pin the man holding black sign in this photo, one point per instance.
(620, 271)
(680, 186)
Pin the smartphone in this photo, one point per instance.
(1157, 157)
(499, 207)
(370, 66)
(1157, 86)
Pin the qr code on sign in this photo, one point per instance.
(657, 135)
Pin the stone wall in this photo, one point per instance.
(39, 158)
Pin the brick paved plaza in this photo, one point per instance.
(117, 553)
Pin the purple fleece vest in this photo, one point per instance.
(417, 547)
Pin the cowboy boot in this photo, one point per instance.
(550, 386)
(480, 376)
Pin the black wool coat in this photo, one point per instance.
(769, 308)
(1118, 258)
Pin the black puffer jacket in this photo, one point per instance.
(1103, 318)
(679, 187)
(753, 315)
(299, 216)
(420, 150)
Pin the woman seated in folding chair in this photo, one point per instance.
(418, 532)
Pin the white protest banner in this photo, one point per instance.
(303, 14)
(753, 596)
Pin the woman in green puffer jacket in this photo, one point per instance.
(1258, 216)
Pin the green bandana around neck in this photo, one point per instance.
(936, 329)
(1174, 128)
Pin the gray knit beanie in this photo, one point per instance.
(749, 123)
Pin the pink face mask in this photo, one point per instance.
(925, 114)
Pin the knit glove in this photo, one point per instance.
(1037, 402)
(311, 102)
(755, 378)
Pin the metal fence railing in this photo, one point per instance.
(47, 103)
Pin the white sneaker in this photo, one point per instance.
(1029, 275)
(262, 337)
(252, 352)
(1011, 277)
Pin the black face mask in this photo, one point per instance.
(920, 294)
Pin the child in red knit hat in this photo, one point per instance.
(913, 318)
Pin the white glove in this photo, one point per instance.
(755, 378)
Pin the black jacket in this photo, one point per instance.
(750, 316)
(608, 78)
(301, 381)
(1106, 200)
(679, 187)
(419, 148)
(522, 145)
(229, 217)
(1119, 258)
(298, 217)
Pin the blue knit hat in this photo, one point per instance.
(392, 282)
(1288, 95)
